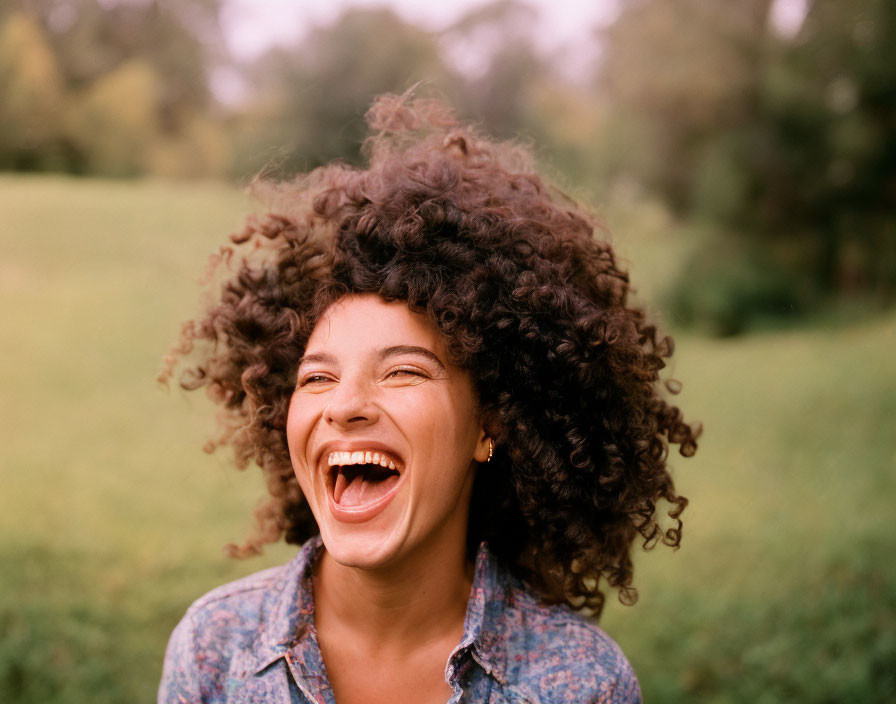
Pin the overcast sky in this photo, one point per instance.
(254, 25)
(565, 27)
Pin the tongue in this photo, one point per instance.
(360, 491)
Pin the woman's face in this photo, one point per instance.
(384, 434)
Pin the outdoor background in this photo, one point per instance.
(743, 157)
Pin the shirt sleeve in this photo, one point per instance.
(625, 689)
(180, 675)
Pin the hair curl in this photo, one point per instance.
(529, 301)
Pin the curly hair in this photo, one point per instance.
(529, 301)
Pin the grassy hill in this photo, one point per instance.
(112, 519)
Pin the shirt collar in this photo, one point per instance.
(490, 598)
(291, 621)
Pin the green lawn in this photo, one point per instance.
(112, 518)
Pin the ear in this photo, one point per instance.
(483, 443)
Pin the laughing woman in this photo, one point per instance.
(459, 418)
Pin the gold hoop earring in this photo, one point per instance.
(491, 450)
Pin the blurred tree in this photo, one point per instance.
(782, 146)
(201, 148)
(31, 111)
(99, 53)
(676, 73)
(504, 70)
(573, 130)
(311, 100)
(173, 36)
(115, 122)
(820, 163)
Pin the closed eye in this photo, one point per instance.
(314, 379)
(407, 373)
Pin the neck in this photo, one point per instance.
(419, 599)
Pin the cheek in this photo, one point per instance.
(298, 428)
(445, 431)
(292, 424)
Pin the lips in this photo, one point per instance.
(361, 482)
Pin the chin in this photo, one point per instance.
(359, 546)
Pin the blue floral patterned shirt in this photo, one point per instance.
(254, 641)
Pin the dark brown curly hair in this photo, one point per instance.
(529, 301)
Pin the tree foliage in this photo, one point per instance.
(310, 100)
(777, 147)
(97, 87)
(820, 162)
(31, 110)
(115, 121)
(782, 146)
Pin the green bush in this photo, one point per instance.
(726, 288)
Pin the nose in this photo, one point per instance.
(351, 405)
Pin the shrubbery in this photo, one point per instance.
(727, 287)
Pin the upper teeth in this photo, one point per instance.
(343, 458)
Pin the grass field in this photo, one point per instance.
(112, 519)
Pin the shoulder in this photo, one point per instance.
(233, 598)
(221, 630)
(235, 609)
(557, 655)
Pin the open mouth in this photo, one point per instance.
(361, 479)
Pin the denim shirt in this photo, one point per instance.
(254, 640)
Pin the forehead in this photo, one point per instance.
(366, 320)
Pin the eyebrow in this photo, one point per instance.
(385, 353)
(319, 357)
(411, 349)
